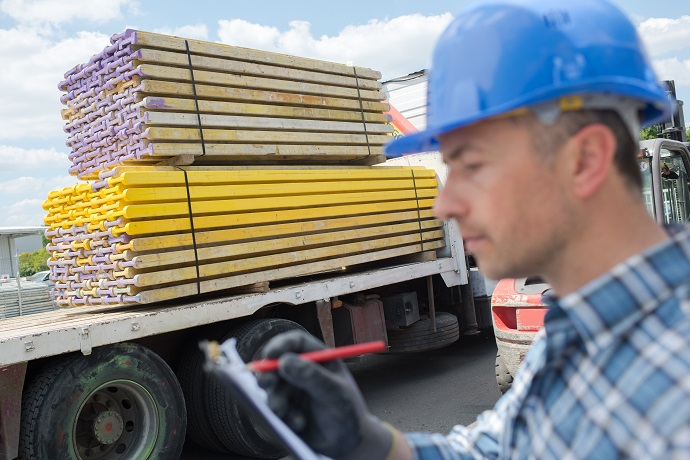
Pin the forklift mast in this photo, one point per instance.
(675, 127)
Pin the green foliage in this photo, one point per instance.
(648, 133)
(33, 262)
(687, 134)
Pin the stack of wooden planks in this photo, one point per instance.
(148, 98)
(142, 234)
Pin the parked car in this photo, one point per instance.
(42, 277)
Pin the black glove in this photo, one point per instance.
(321, 402)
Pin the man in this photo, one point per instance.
(517, 87)
(666, 172)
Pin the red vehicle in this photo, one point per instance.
(516, 305)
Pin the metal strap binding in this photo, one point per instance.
(191, 225)
(419, 214)
(361, 109)
(196, 100)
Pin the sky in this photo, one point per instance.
(41, 39)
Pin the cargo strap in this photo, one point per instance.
(419, 215)
(361, 109)
(196, 100)
(191, 225)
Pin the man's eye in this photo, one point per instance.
(472, 167)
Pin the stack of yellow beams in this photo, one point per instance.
(149, 98)
(127, 237)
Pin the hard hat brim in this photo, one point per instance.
(422, 141)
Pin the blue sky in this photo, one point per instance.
(41, 39)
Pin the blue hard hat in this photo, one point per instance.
(501, 55)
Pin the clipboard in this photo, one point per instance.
(227, 366)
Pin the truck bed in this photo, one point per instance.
(80, 329)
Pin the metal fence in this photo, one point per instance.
(8, 267)
(21, 296)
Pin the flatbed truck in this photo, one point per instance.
(128, 382)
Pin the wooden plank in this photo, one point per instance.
(158, 57)
(173, 292)
(259, 263)
(263, 180)
(248, 205)
(122, 195)
(179, 74)
(246, 136)
(205, 238)
(261, 152)
(275, 246)
(204, 48)
(209, 192)
(221, 93)
(137, 176)
(172, 104)
(212, 121)
(151, 227)
(147, 211)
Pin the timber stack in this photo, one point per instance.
(209, 167)
(151, 97)
(129, 239)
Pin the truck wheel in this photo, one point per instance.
(503, 377)
(120, 402)
(193, 380)
(420, 337)
(236, 430)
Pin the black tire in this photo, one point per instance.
(237, 431)
(503, 377)
(194, 380)
(420, 337)
(120, 402)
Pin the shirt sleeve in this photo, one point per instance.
(478, 442)
(484, 439)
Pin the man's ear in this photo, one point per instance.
(592, 162)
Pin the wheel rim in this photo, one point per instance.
(117, 420)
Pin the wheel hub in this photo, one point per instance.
(108, 427)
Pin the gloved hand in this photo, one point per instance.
(321, 402)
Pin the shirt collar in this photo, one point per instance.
(612, 304)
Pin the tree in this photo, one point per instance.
(687, 134)
(649, 132)
(33, 262)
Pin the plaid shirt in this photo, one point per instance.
(608, 375)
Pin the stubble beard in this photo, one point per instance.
(531, 258)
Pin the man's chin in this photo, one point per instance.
(495, 272)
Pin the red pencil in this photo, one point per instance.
(347, 351)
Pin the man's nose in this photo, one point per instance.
(443, 205)
(452, 202)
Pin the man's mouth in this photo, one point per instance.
(472, 242)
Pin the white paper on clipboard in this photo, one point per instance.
(230, 369)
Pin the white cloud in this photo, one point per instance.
(32, 68)
(239, 32)
(15, 159)
(394, 46)
(197, 31)
(27, 212)
(52, 12)
(35, 186)
(23, 198)
(673, 69)
(664, 35)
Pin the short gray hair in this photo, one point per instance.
(549, 138)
